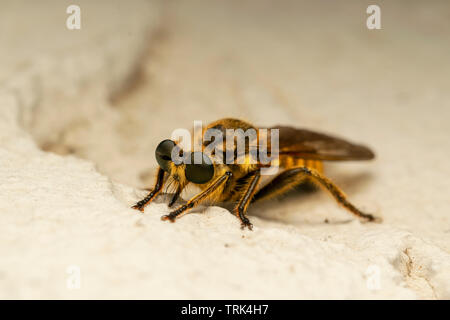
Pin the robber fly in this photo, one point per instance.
(300, 158)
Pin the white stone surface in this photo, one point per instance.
(79, 94)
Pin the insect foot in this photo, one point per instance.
(371, 218)
(169, 217)
(138, 206)
(246, 223)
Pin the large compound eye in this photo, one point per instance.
(163, 154)
(199, 172)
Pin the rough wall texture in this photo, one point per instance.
(82, 111)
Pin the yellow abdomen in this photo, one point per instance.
(288, 162)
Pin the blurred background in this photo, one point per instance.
(137, 70)
(311, 64)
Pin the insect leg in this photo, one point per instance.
(294, 176)
(241, 207)
(158, 187)
(337, 193)
(282, 183)
(198, 198)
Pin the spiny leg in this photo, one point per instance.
(338, 194)
(153, 193)
(198, 198)
(241, 207)
(281, 184)
(292, 177)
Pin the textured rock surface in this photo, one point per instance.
(82, 111)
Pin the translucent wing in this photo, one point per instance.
(306, 144)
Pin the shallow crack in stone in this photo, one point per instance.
(412, 266)
(410, 271)
(409, 263)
